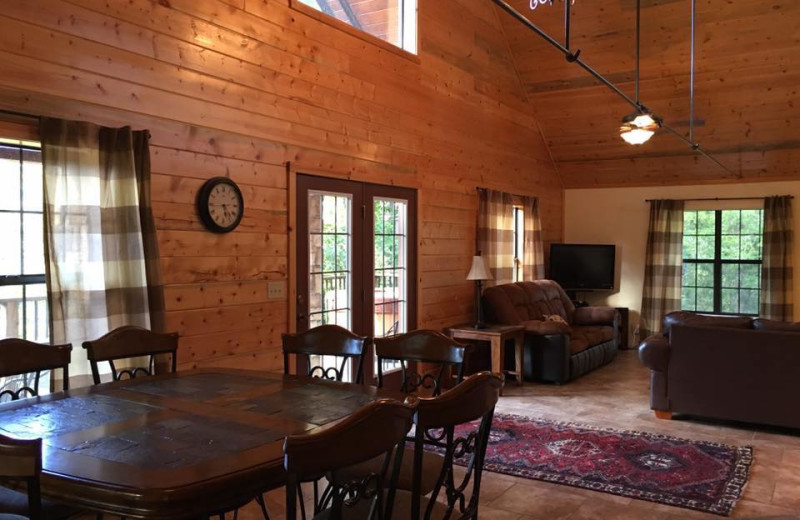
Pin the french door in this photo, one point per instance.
(356, 259)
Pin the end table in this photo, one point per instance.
(496, 336)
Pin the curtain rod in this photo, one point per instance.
(724, 198)
(478, 188)
(18, 114)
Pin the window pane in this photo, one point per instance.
(11, 311)
(730, 301)
(730, 222)
(9, 178)
(751, 247)
(705, 248)
(689, 247)
(10, 261)
(688, 277)
(34, 243)
(706, 223)
(705, 275)
(393, 21)
(751, 221)
(730, 275)
(36, 317)
(750, 276)
(730, 247)
(689, 223)
(749, 301)
(687, 298)
(705, 300)
(32, 195)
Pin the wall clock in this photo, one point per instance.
(220, 205)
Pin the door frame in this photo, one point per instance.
(292, 171)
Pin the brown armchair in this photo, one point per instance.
(554, 351)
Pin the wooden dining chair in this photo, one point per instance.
(21, 463)
(325, 340)
(130, 342)
(19, 357)
(376, 430)
(426, 359)
(457, 424)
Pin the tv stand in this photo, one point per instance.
(573, 295)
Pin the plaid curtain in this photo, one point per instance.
(776, 267)
(102, 256)
(663, 265)
(496, 234)
(533, 263)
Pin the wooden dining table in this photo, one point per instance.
(179, 445)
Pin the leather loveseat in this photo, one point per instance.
(554, 352)
(733, 368)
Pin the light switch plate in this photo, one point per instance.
(276, 290)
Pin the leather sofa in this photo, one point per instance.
(732, 368)
(554, 352)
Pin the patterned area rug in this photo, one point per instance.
(705, 476)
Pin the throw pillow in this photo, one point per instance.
(554, 317)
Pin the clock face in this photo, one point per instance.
(220, 204)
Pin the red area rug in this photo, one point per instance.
(705, 476)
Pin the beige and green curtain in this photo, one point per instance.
(663, 265)
(533, 250)
(496, 234)
(102, 256)
(776, 267)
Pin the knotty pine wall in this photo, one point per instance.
(240, 87)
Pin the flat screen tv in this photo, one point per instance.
(583, 267)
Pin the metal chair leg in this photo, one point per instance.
(260, 501)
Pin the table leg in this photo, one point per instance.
(498, 356)
(519, 359)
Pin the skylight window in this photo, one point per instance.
(393, 21)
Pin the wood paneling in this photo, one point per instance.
(239, 88)
(746, 89)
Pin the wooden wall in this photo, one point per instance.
(240, 87)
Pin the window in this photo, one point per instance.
(722, 261)
(394, 21)
(519, 243)
(23, 295)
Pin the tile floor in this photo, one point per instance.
(617, 396)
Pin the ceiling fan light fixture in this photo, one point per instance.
(633, 135)
(638, 128)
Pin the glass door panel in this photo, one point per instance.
(390, 248)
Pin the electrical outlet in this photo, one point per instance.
(276, 290)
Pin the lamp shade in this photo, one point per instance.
(479, 269)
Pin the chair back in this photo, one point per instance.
(130, 342)
(421, 346)
(21, 461)
(19, 357)
(376, 430)
(326, 340)
(456, 423)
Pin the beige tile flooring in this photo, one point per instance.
(617, 396)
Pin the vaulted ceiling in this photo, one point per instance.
(747, 80)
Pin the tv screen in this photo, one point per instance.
(582, 267)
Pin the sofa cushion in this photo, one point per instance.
(578, 344)
(705, 320)
(513, 303)
(784, 326)
(542, 328)
(594, 334)
(595, 315)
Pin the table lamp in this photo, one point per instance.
(479, 272)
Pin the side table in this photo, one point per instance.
(496, 336)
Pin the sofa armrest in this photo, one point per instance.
(594, 315)
(545, 328)
(654, 352)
